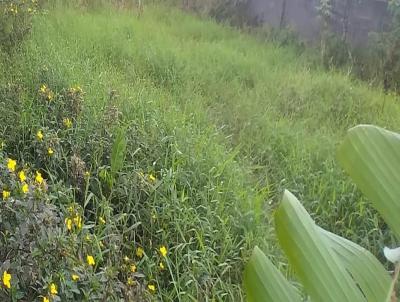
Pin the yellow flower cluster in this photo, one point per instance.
(75, 89)
(46, 92)
(139, 252)
(23, 179)
(90, 260)
(11, 164)
(40, 136)
(73, 220)
(67, 123)
(12, 8)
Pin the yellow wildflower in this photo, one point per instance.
(139, 252)
(53, 289)
(78, 221)
(130, 281)
(45, 299)
(102, 220)
(39, 135)
(163, 251)
(7, 279)
(75, 277)
(152, 288)
(90, 260)
(152, 178)
(11, 164)
(67, 122)
(133, 268)
(126, 259)
(43, 88)
(68, 223)
(50, 95)
(161, 265)
(39, 178)
(22, 176)
(50, 151)
(25, 188)
(6, 194)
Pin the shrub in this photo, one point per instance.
(15, 22)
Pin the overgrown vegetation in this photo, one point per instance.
(162, 141)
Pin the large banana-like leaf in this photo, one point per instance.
(372, 278)
(371, 156)
(264, 283)
(317, 266)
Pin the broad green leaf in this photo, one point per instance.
(371, 156)
(316, 265)
(372, 278)
(264, 282)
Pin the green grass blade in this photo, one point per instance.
(371, 156)
(316, 265)
(264, 282)
(366, 270)
(118, 152)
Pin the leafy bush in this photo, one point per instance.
(15, 21)
(330, 267)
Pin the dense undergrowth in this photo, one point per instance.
(164, 142)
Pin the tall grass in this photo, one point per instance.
(222, 122)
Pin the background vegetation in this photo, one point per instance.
(166, 131)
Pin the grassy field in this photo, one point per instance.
(216, 124)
